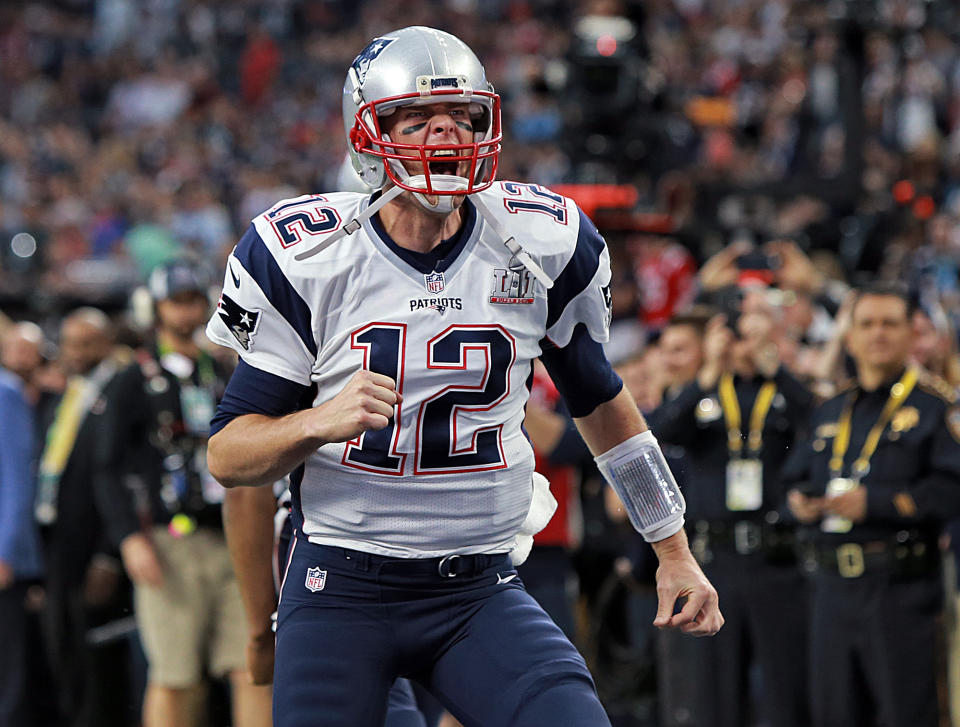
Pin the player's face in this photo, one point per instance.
(437, 124)
(880, 332)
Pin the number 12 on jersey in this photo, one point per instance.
(438, 419)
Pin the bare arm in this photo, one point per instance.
(611, 423)
(248, 524)
(679, 576)
(254, 449)
(544, 427)
(829, 363)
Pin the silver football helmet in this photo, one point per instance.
(420, 65)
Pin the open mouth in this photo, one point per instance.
(440, 166)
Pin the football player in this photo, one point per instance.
(385, 345)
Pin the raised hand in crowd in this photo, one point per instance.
(828, 368)
(720, 270)
(794, 270)
(717, 344)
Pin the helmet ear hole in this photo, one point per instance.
(359, 138)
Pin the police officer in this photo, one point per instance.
(169, 527)
(736, 421)
(878, 474)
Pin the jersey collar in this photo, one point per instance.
(446, 257)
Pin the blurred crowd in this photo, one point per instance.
(136, 132)
(777, 154)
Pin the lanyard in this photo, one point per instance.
(731, 414)
(898, 393)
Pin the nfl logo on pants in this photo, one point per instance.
(316, 579)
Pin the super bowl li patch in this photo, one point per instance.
(316, 579)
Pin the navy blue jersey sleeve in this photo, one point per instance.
(581, 293)
(581, 372)
(254, 391)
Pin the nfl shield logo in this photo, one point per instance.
(434, 282)
(316, 579)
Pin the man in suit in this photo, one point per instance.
(84, 584)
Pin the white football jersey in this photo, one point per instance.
(452, 471)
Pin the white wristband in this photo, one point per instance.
(639, 474)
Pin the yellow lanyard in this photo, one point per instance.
(898, 393)
(62, 434)
(731, 415)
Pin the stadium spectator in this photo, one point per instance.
(20, 562)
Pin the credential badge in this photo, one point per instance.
(435, 282)
(316, 579)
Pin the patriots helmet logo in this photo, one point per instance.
(361, 63)
(241, 322)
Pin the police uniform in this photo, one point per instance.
(736, 437)
(876, 586)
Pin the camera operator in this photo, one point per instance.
(167, 512)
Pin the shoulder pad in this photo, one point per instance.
(546, 224)
(297, 223)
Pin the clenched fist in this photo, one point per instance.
(366, 402)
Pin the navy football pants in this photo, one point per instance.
(404, 707)
(484, 648)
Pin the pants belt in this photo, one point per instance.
(447, 566)
(852, 560)
(744, 536)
